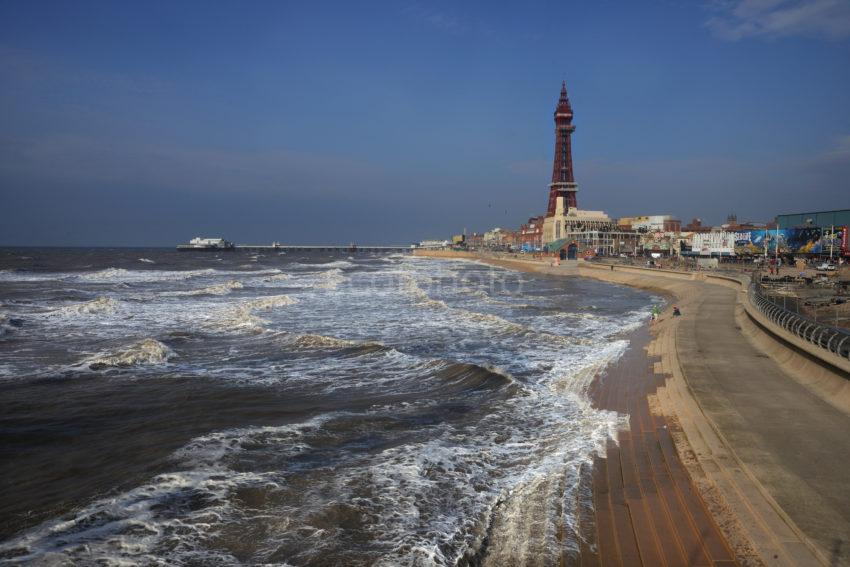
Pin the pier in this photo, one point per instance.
(218, 244)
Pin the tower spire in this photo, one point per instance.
(563, 184)
(564, 101)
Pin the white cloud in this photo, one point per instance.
(738, 19)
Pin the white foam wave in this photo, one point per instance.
(502, 324)
(324, 265)
(146, 351)
(321, 341)
(411, 286)
(330, 279)
(268, 302)
(95, 306)
(243, 316)
(110, 275)
(142, 276)
(147, 261)
(218, 289)
(277, 277)
(313, 341)
(597, 326)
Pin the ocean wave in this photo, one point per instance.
(147, 261)
(146, 351)
(600, 326)
(475, 292)
(126, 529)
(100, 305)
(499, 324)
(218, 289)
(21, 275)
(242, 315)
(411, 286)
(573, 376)
(217, 450)
(322, 342)
(268, 302)
(277, 277)
(502, 324)
(465, 376)
(330, 279)
(178, 507)
(323, 266)
(109, 275)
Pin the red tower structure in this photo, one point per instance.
(563, 184)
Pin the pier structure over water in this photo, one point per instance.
(219, 244)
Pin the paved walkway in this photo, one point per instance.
(794, 443)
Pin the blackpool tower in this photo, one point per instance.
(563, 184)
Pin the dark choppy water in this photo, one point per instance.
(228, 408)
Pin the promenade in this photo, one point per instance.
(795, 443)
(772, 456)
(728, 458)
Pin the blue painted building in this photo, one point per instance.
(821, 219)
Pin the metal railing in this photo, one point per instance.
(832, 339)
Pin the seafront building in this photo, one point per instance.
(530, 235)
(650, 223)
(820, 219)
(696, 226)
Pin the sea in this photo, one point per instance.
(326, 408)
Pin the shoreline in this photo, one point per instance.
(728, 492)
(638, 491)
(639, 485)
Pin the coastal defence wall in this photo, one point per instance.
(822, 372)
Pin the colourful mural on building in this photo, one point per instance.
(808, 240)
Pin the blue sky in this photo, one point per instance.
(148, 123)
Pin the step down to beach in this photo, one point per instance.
(648, 511)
